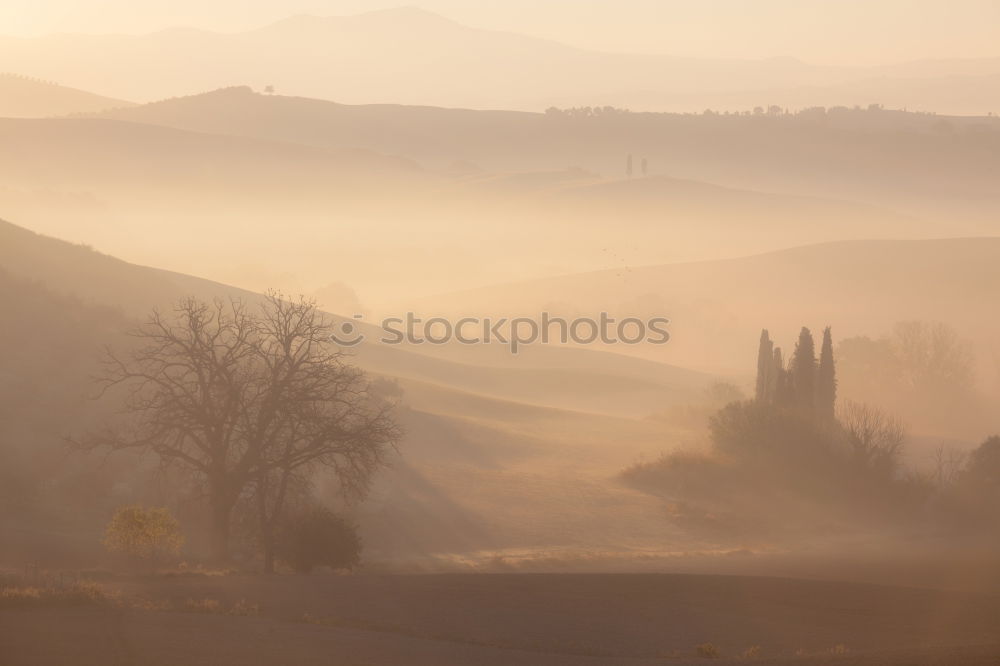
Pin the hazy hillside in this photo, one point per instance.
(717, 308)
(436, 135)
(60, 153)
(473, 421)
(48, 496)
(728, 219)
(449, 64)
(233, 162)
(21, 97)
(541, 375)
(129, 189)
(918, 163)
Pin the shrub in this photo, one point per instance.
(875, 437)
(758, 432)
(209, 606)
(707, 651)
(983, 467)
(245, 608)
(143, 534)
(318, 538)
(206, 605)
(84, 593)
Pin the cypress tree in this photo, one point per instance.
(803, 370)
(765, 365)
(779, 386)
(826, 381)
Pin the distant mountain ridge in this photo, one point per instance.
(411, 56)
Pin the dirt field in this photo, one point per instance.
(506, 619)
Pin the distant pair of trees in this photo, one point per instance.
(643, 165)
(251, 402)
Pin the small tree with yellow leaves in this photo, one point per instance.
(143, 534)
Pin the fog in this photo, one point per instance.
(471, 335)
(848, 33)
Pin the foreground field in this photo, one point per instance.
(506, 619)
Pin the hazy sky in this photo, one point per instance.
(821, 31)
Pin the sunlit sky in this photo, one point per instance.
(819, 31)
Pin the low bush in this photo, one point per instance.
(317, 538)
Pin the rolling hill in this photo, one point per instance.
(573, 418)
(877, 295)
(350, 179)
(106, 154)
(22, 97)
(923, 165)
(718, 308)
(129, 188)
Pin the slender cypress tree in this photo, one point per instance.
(802, 369)
(765, 366)
(780, 386)
(826, 380)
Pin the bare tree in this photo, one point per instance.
(876, 438)
(949, 462)
(933, 357)
(322, 413)
(245, 399)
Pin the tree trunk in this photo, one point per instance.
(268, 522)
(222, 509)
(265, 524)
